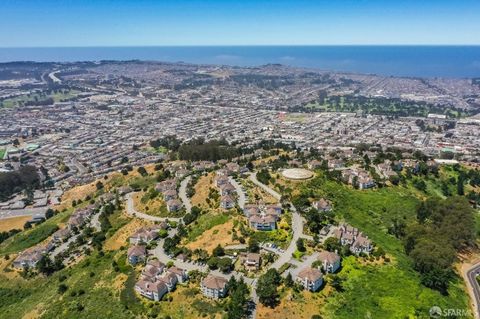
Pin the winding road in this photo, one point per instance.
(284, 257)
(474, 288)
(182, 193)
(130, 209)
(297, 225)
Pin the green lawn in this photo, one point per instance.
(388, 291)
(57, 97)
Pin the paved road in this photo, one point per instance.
(53, 77)
(189, 266)
(182, 193)
(475, 288)
(306, 262)
(130, 209)
(297, 225)
(241, 194)
(253, 178)
(94, 222)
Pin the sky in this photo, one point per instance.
(52, 23)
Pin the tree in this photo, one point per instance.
(99, 185)
(225, 264)
(267, 288)
(62, 288)
(420, 185)
(218, 251)
(301, 245)
(289, 280)
(212, 263)
(460, 183)
(237, 306)
(253, 246)
(332, 244)
(49, 213)
(142, 171)
(445, 227)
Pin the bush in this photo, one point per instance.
(62, 288)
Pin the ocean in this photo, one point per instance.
(407, 61)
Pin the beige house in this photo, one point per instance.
(310, 278)
(214, 287)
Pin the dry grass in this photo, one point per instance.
(13, 223)
(202, 189)
(183, 305)
(254, 192)
(218, 235)
(4, 264)
(119, 282)
(151, 207)
(76, 193)
(120, 238)
(304, 307)
(35, 312)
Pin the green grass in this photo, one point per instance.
(37, 234)
(57, 97)
(373, 291)
(140, 182)
(204, 223)
(2, 153)
(117, 220)
(100, 299)
(389, 291)
(158, 150)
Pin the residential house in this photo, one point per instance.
(251, 261)
(136, 254)
(151, 290)
(227, 189)
(61, 235)
(310, 278)
(214, 286)
(174, 205)
(169, 194)
(153, 270)
(221, 180)
(29, 258)
(144, 235)
(314, 164)
(330, 261)
(181, 274)
(227, 202)
(170, 280)
(322, 205)
(263, 221)
(356, 240)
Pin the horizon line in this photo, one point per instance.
(238, 45)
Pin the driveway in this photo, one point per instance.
(241, 194)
